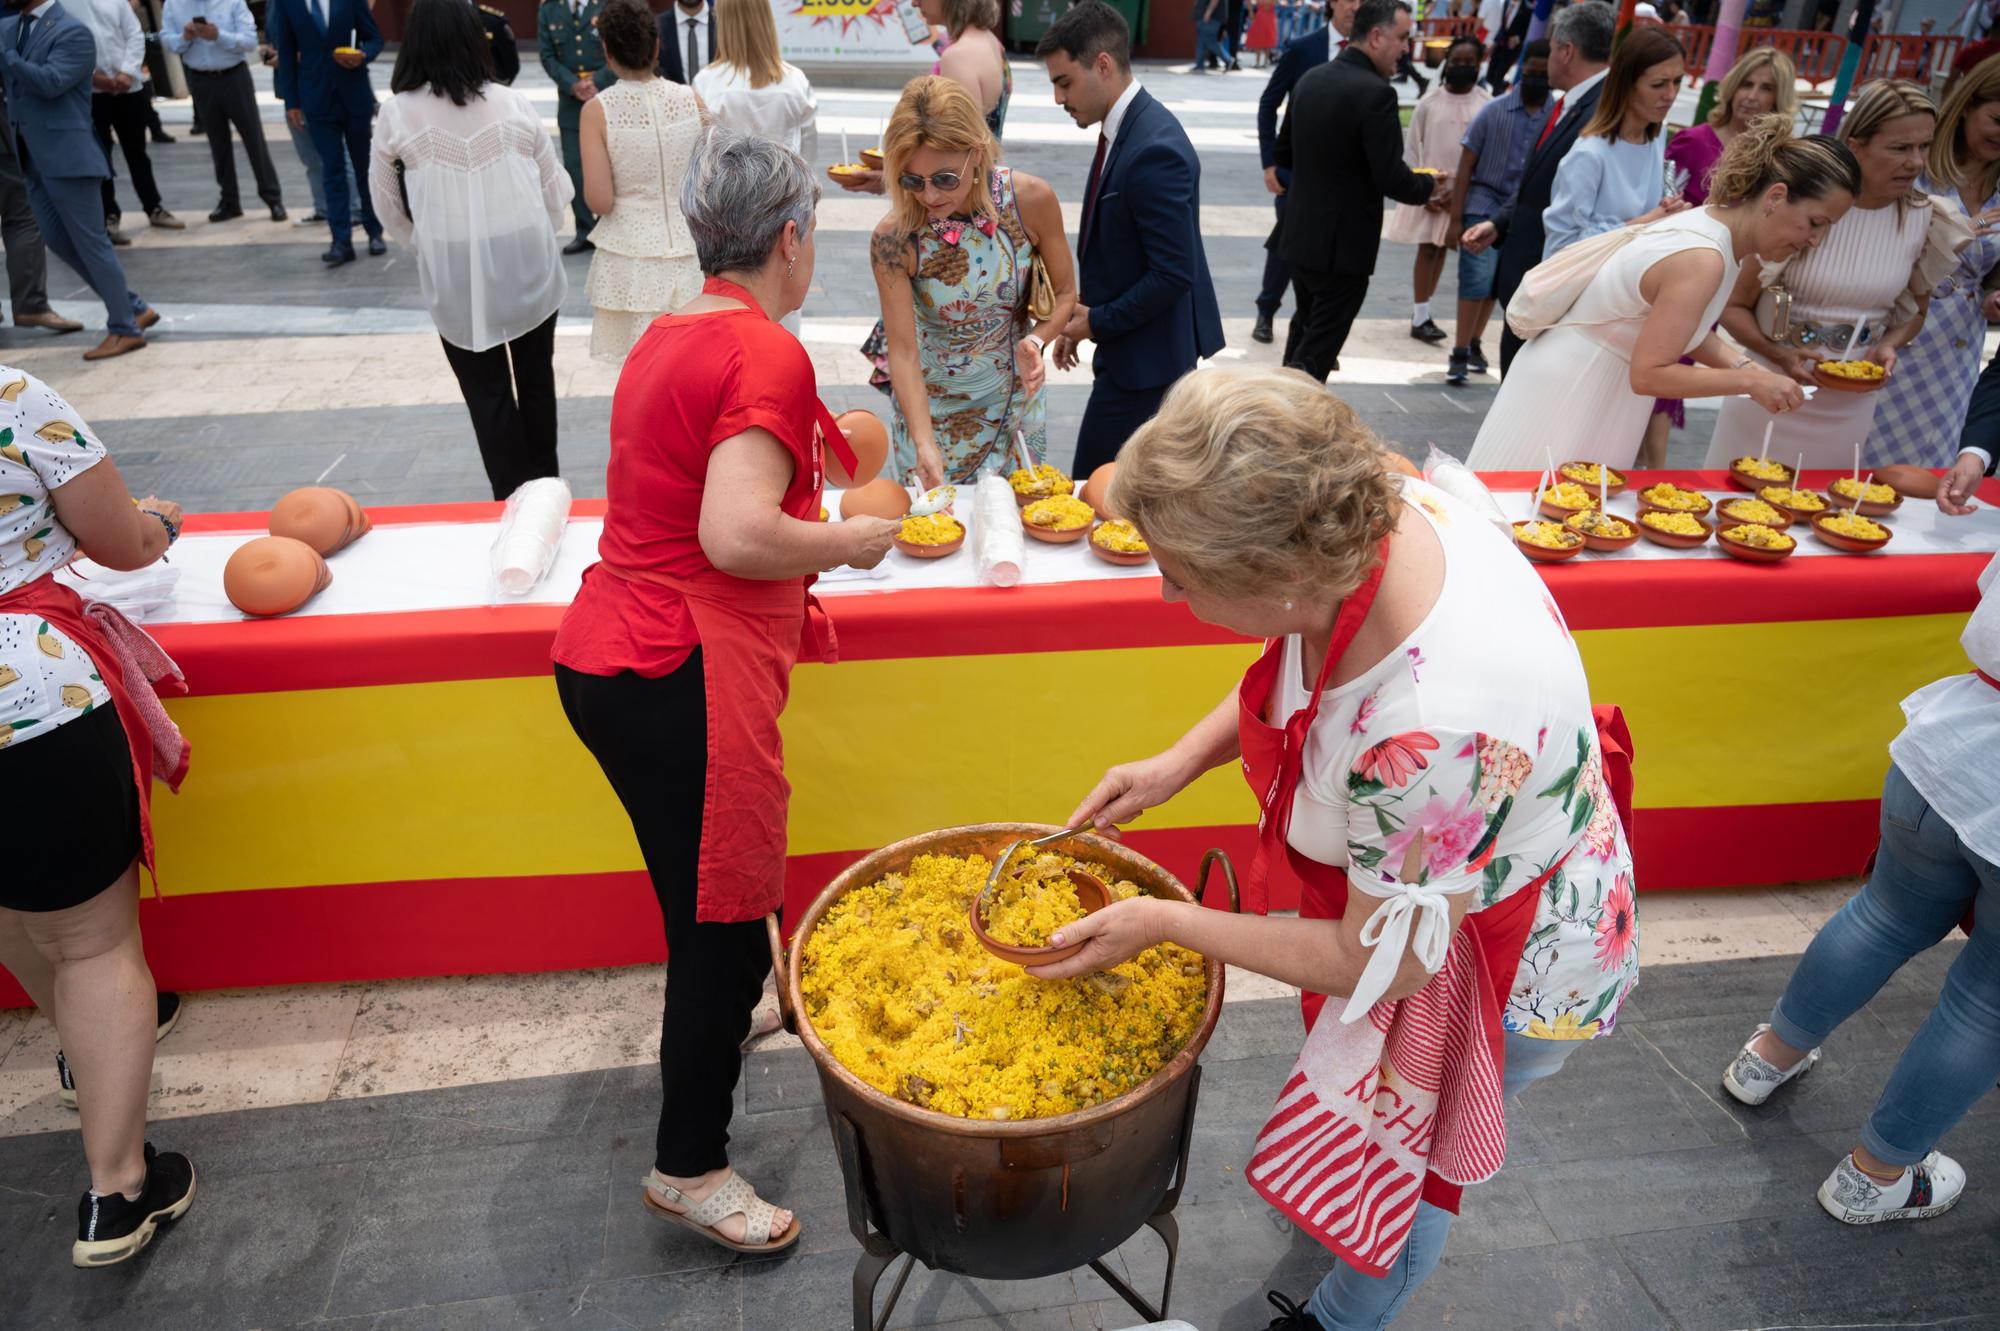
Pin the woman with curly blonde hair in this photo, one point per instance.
(953, 262)
(1419, 735)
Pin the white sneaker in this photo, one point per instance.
(1928, 1188)
(1752, 1077)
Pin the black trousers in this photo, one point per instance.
(1276, 275)
(510, 390)
(651, 738)
(227, 97)
(124, 114)
(1510, 345)
(1110, 418)
(27, 264)
(1327, 306)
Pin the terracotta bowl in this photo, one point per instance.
(1751, 554)
(1612, 488)
(1796, 514)
(1055, 537)
(1850, 544)
(1091, 894)
(1834, 383)
(915, 551)
(1605, 544)
(1022, 501)
(1785, 518)
(1708, 506)
(1867, 508)
(274, 575)
(847, 171)
(1674, 541)
(1555, 512)
(1541, 554)
(1744, 481)
(872, 158)
(1128, 558)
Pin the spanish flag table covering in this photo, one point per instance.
(384, 784)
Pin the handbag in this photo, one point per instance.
(1041, 288)
(1553, 286)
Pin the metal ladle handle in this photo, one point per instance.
(1000, 864)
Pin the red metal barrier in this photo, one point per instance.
(1448, 27)
(1697, 41)
(1816, 55)
(1911, 56)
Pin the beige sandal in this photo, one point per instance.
(734, 1197)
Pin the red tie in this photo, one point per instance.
(1090, 194)
(1555, 114)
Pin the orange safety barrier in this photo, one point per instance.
(1697, 40)
(1911, 56)
(1467, 26)
(1816, 55)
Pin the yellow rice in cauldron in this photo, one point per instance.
(906, 999)
(1030, 904)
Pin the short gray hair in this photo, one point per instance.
(1589, 27)
(739, 192)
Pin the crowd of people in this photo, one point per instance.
(1637, 268)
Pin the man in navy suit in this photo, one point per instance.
(675, 23)
(1305, 54)
(1146, 298)
(46, 60)
(324, 47)
(1579, 52)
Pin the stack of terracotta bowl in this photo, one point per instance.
(276, 574)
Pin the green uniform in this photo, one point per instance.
(566, 34)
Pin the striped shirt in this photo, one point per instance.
(1502, 134)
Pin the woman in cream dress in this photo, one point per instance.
(636, 139)
(1582, 389)
(1860, 296)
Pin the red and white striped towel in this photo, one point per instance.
(1374, 1107)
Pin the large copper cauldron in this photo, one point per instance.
(1004, 1200)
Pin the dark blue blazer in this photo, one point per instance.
(1145, 276)
(48, 89)
(673, 37)
(306, 78)
(1300, 58)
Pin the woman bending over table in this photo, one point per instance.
(81, 731)
(674, 660)
(1425, 787)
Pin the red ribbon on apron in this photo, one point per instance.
(752, 633)
(66, 611)
(1405, 1105)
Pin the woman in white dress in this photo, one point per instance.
(636, 137)
(749, 86)
(462, 171)
(1583, 388)
(1861, 296)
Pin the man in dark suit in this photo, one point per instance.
(46, 60)
(1146, 299)
(21, 237)
(678, 23)
(1579, 51)
(1978, 445)
(1302, 56)
(1343, 143)
(323, 49)
(1515, 15)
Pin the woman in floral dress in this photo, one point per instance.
(952, 260)
(1921, 408)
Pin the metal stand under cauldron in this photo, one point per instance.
(879, 1251)
(998, 1200)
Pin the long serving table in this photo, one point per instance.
(384, 784)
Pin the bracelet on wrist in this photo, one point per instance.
(1036, 338)
(173, 528)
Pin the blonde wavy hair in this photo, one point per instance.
(1256, 482)
(1879, 103)
(937, 112)
(1950, 165)
(1783, 73)
(746, 36)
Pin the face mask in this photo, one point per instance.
(1460, 78)
(1534, 89)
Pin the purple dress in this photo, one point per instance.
(1695, 150)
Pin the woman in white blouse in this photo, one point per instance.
(749, 86)
(463, 173)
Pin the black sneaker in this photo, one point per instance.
(65, 1082)
(1290, 1316)
(1262, 332)
(1460, 367)
(110, 1229)
(1428, 331)
(1476, 359)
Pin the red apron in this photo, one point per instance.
(65, 610)
(752, 632)
(1272, 761)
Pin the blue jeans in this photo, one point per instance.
(1347, 1300)
(1476, 271)
(1924, 881)
(1208, 42)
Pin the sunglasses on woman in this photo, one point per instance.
(943, 180)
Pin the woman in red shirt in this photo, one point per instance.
(674, 661)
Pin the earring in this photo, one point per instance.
(790, 264)
(1288, 605)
